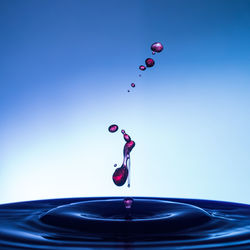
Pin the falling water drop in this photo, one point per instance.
(142, 67)
(122, 174)
(126, 137)
(113, 128)
(150, 62)
(157, 47)
(132, 85)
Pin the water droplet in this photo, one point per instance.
(139, 75)
(115, 165)
(128, 90)
(142, 67)
(113, 128)
(132, 85)
(150, 62)
(153, 53)
(129, 146)
(157, 47)
(126, 137)
(120, 175)
(128, 202)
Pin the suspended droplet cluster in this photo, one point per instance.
(156, 47)
(122, 174)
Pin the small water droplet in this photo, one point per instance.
(139, 75)
(128, 202)
(123, 131)
(150, 62)
(132, 85)
(153, 53)
(115, 165)
(113, 128)
(126, 137)
(157, 47)
(142, 67)
(128, 90)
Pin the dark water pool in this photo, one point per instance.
(104, 222)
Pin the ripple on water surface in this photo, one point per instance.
(108, 222)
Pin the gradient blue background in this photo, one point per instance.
(65, 67)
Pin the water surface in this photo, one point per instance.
(104, 222)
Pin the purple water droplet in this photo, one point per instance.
(122, 173)
(113, 128)
(157, 47)
(153, 53)
(126, 137)
(128, 147)
(150, 62)
(132, 85)
(142, 67)
(128, 202)
(115, 165)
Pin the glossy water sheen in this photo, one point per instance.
(155, 223)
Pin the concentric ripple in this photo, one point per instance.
(158, 223)
(109, 217)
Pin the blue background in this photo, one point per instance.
(65, 68)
